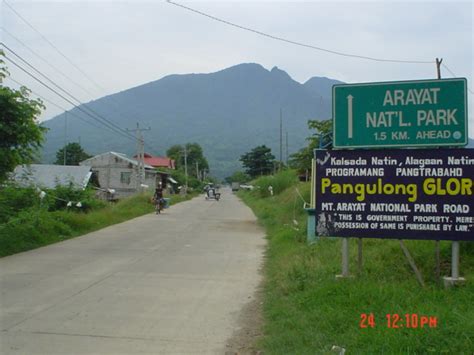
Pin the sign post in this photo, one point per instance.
(396, 194)
(454, 279)
(400, 114)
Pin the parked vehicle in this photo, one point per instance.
(235, 186)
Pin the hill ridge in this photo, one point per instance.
(228, 112)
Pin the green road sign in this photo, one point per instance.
(400, 114)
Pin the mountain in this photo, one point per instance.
(227, 112)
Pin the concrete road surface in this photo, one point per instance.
(160, 284)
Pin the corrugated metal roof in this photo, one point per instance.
(50, 176)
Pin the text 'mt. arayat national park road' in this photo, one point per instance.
(174, 283)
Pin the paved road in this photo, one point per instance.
(168, 284)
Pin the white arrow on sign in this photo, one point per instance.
(349, 115)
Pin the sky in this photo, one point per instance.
(123, 44)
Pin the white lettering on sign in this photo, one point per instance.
(411, 97)
(436, 117)
(385, 119)
(426, 208)
(433, 134)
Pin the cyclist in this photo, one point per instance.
(158, 198)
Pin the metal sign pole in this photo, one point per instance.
(454, 279)
(455, 261)
(345, 259)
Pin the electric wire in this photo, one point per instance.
(69, 61)
(37, 71)
(45, 61)
(455, 76)
(64, 91)
(52, 45)
(66, 99)
(55, 104)
(301, 44)
(59, 71)
(99, 118)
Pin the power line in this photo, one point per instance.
(67, 93)
(45, 61)
(301, 44)
(109, 123)
(37, 71)
(63, 90)
(52, 45)
(66, 99)
(63, 55)
(55, 104)
(56, 69)
(69, 61)
(455, 76)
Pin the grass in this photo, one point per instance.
(36, 227)
(307, 310)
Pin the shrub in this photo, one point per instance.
(58, 198)
(279, 182)
(14, 199)
(30, 229)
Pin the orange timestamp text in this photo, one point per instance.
(399, 321)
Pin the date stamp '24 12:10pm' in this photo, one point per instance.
(397, 321)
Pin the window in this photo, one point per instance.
(125, 177)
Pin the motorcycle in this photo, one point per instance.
(211, 194)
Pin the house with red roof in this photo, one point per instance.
(158, 162)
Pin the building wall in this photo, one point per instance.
(109, 169)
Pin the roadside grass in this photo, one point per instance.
(36, 227)
(307, 311)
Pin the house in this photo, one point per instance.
(158, 162)
(50, 176)
(119, 174)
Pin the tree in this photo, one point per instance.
(259, 161)
(301, 160)
(194, 155)
(74, 154)
(175, 152)
(20, 135)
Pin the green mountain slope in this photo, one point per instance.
(227, 112)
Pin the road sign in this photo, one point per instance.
(400, 114)
(395, 193)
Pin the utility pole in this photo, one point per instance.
(140, 154)
(281, 142)
(197, 170)
(438, 67)
(186, 169)
(65, 139)
(286, 148)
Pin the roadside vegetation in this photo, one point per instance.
(28, 222)
(29, 218)
(308, 311)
